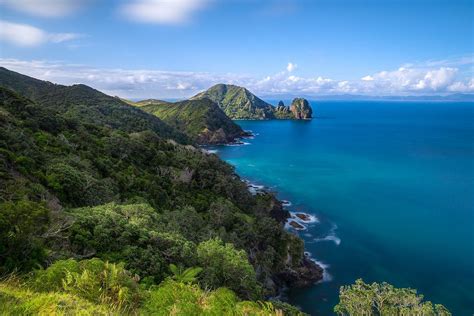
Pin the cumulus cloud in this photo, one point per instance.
(27, 35)
(44, 8)
(412, 79)
(462, 86)
(367, 78)
(291, 67)
(145, 83)
(162, 11)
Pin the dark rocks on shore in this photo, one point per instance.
(306, 274)
(304, 217)
(220, 137)
(295, 225)
(247, 134)
(301, 274)
(277, 211)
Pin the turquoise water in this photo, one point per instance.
(392, 184)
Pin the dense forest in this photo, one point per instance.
(106, 209)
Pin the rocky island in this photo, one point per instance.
(299, 110)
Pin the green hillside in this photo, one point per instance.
(238, 102)
(201, 119)
(80, 102)
(150, 101)
(102, 220)
(73, 189)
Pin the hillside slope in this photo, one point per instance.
(201, 119)
(88, 105)
(72, 189)
(238, 102)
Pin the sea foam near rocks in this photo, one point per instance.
(326, 276)
(300, 220)
(309, 218)
(237, 144)
(330, 237)
(254, 188)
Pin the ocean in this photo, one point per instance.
(392, 187)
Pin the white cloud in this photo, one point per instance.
(162, 11)
(144, 83)
(45, 8)
(21, 34)
(291, 67)
(27, 35)
(462, 86)
(137, 83)
(63, 37)
(411, 79)
(367, 78)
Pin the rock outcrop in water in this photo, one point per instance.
(301, 109)
(283, 112)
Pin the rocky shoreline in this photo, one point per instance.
(307, 272)
(219, 138)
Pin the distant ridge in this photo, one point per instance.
(239, 103)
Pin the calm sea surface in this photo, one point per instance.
(392, 184)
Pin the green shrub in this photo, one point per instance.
(130, 233)
(225, 266)
(175, 298)
(51, 279)
(384, 299)
(68, 182)
(94, 280)
(21, 225)
(182, 275)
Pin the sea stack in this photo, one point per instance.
(301, 109)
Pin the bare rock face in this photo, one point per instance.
(301, 109)
(282, 108)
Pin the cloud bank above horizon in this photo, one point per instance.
(432, 77)
(56, 40)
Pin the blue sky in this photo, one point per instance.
(175, 48)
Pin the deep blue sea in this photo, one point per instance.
(392, 184)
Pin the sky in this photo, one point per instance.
(176, 48)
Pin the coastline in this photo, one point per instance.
(309, 271)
